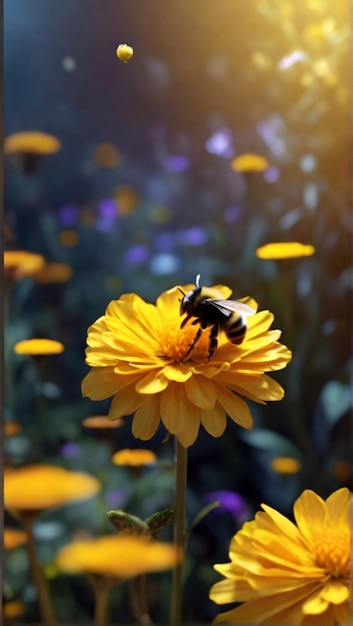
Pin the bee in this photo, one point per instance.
(226, 315)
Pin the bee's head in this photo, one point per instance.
(187, 302)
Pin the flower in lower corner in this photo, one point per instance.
(140, 355)
(286, 573)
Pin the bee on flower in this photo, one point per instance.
(148, 360)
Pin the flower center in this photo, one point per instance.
(332, 552)
(176, 343)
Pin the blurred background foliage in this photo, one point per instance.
(142, 197)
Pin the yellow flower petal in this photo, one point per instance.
(335, 592)
(235, 408)
(173, 407)
(200, 395)
(154, 382)
(309, 512)
(146, 419)
(214, 420)
(315, 605)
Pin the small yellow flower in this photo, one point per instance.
(14, 538)
(53, 273)
(284, 250)
(249, 163)
(134, 457)
(290, 574)
(117, 556)
(39, 487)
(285, 465)
(124, 52)
(36, 347)
(106, 155)
(101, 422)
(13, 609)
(19, 264)
(69, 238)
(12, 428)
(26, 148)
(127, 199)
(139, 354)
(31, 142)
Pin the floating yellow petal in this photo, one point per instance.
(135, 457)
(286, 573)
(35, 347)
(124, 52)
(39, 487)
(249, 163)
(284, 250)
(117, 556)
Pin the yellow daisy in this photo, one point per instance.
(139, 354)
(290, 574)
(116, 556)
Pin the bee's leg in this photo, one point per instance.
(196, 338)
(213, 340)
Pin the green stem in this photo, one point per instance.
(138, 601)
(179, 530)
(101, 593)
(45, 604)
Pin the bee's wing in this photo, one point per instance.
(228, 306)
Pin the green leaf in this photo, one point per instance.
(202, 514)
(269, 441)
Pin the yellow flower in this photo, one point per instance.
(249, 163)
(27, 147)
(53, 273)
(139, 354)
(115, 556)
(284, 250)
(106, 155)
(285, 465)
(35, 347)
(32, 142)
(18, 264)
(14, 538)
(39, 487)
(12, 428)
(13, 609)
(101, 422)
(134, 457)
(290, 574)
(124, 52)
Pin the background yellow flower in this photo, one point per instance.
(117, 556)
(139, 354)
(290, 574)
